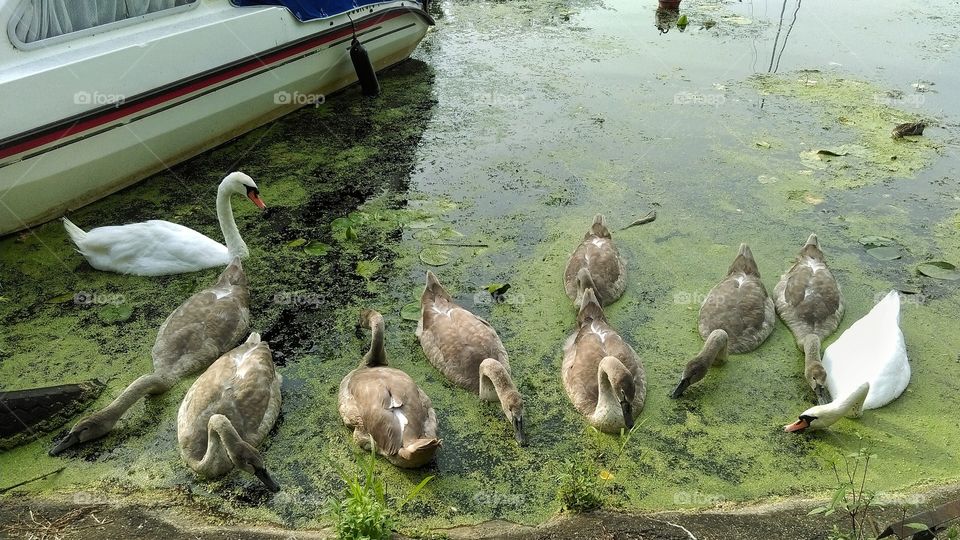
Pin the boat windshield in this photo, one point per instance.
(36, 20)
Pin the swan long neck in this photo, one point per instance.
(714, 349)
(134, 392)
(607, 401)
(811, 349)
(236, 247)
(376, 356)
(222, 437)
(495, 383)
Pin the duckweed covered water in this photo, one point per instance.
(513, 125)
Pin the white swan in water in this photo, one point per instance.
(158, 248)
(871, 350)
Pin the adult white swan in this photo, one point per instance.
(158, 247)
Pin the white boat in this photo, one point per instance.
(91, 106)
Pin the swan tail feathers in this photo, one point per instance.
(76, 234)
(420, 451)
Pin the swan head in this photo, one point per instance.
(623, 385)
(598, 229)
(512, 404)
(816, 377)
(247, 458)
(824, 416)
(241, 184)
(88, 429)
(693, 373)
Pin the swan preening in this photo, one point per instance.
(468, 352)
(872, 350)
(205, 326)
(736, 317)
(228, 412)
(157, 247)
(385, 407)
(596, 264)
(809, 301)
(602, 374)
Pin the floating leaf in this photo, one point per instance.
(939, 270)
(606, 475)
(317, 249)
(884, 253)
(498, 288)
(432, 235)
(410, 312)
(62, 298)
(297, 243)
(115, 313)
(366, 269)
(351, 233)
(435, 256)
(875, 241)
(340, 223)
(682, 22)
(762, 144)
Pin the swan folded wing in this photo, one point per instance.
(202, 334)
(153, 247)
(456, 344)
(797, 285)
(379, 420)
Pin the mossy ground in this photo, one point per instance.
(517, 156)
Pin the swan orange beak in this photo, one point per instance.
(799, 425)
(255, 197)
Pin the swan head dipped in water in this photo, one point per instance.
(244, 456)
(93, 427)
(496, 385)
(824, 416)
(714, 351)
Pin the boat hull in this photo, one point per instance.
(115, 146)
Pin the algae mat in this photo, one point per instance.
(481, 144)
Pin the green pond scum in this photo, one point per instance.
(364, 196)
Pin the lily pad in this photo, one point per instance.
(366, 269)
(297, 243)
(435, 256)
(317, 249)
(939, 270)
(432, 235)
(410, 312)
(115, 313)
(875, 241)
(884, 253)
(61, 299)
(498, 288)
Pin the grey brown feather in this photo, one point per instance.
(205, 326)
(739, 305)
(598, 254)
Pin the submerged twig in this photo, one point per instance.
(651, 215)
(41, 477)
(457, 244)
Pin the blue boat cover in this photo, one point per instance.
(308, 10)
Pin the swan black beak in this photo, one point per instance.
(681, 388)
(72, 439)
(267, 480)
(627, 413)
(518, 433)
(823, 395)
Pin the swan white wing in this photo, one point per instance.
(152, 248)
(872, 350)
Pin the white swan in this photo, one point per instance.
(824, 416)
(158, 248)
(871, 350)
